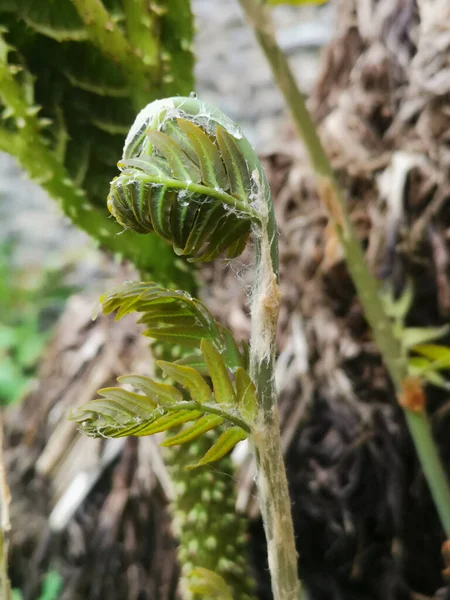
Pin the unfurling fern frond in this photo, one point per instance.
(176, 318)
(189, 175)
(225, 398)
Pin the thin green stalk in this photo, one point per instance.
(259, 17)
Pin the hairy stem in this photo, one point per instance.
(367, 287)
(272, 482)
(276, 510)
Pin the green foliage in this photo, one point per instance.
(68, 100)
(51, 587)
(226, 397)
(188, 182)
(27, 310)
(432, 358)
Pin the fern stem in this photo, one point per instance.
(367, 287)
(273, 488)
(213, 410)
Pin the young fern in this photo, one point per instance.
(189, 174)
(177, 318)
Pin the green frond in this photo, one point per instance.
(67, 104)
(213, 388)
(229, 400)
(189, 175)
(161, 407)
(175, 316)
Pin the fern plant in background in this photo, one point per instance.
(189, 174)
(72, 76)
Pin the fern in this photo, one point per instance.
(226, 397)
(69, 90)
(189, 175)
(187, 182)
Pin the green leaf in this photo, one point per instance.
(196, 361)
(436, 379)
(52, 586)
(399, 308)
(246, 395)
(161, 393)
(187, 336)
(417, 365)
(205, 226)
(414, 336)
(182, 166)
(170, 420)
(423, 367)
(236, 166)
(226, 442)
(204, 424)
(172, 129)
(155, 167)
(213, 171)
(224, 237)
(439, 354)
(183, 220)
(190, 379)
(208, 584)
(160, 209)
(129, 399)
(223, 390)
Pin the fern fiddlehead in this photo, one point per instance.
(189, 174)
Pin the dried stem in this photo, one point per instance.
(367, 287)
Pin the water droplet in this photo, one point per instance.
(193, 95)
